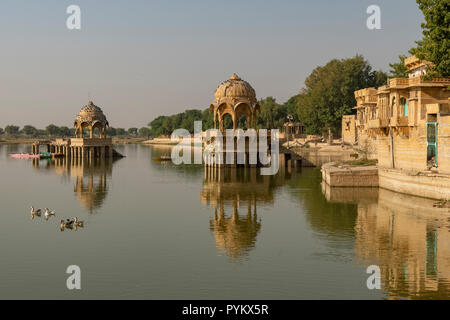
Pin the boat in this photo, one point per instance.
(163, 158)
(45, 155)
(24, 156)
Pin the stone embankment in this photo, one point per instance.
(341, 175)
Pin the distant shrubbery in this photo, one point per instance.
(53, 131)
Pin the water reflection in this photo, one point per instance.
(90, 178)
(235, 194)
(406, 236)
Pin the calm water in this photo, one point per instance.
(160, 231)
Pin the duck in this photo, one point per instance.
(35, 212)
(78, 223)
(66, 224)
(48, 213)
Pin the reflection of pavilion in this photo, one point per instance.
(406, 237)
(239, 190)
(91, 178)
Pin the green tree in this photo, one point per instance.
(110, 131)
(188, 118)
(133, 131)
(329, 92)
(292, 106)
(12, 130)
(1, 131)
(65, 132)
(398, 69)
(144, 132)
(435, 44)
(41, 133)
(52, 130)
(207, 120)
(121, 132)
(156, 126)
(267, 118)
(29, 130)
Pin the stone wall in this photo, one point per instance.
(368, 144)
(443, 141)
(346, 176)
(349, 135)
(428, 185)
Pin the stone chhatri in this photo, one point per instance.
(235, 97)
(91, 114)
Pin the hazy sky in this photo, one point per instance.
(139, 59)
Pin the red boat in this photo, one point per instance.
(25, 156)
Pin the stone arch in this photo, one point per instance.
(80, 128)
(100, 126)
(223, 121)
(223, 109)
(243, 108)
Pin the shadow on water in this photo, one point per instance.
(405, 236)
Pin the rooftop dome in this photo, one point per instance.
(235, 87)
(91, 114)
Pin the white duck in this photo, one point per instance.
(48, 213)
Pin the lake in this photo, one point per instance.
(154, 230)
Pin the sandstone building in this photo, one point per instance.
(405, 124)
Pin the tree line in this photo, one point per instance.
(273, 116)
(54, 131)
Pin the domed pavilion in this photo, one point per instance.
(95, 144)
(235, 97)
(91, 117)
(90, 139)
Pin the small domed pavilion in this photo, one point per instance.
(96, 144)
(235, 97)
(91, 117)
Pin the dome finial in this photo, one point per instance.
(235, 77)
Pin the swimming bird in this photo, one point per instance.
(66, 224)
(35, 212)
(48, 213)
(78, 223)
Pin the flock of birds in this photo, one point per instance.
(68, 224)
